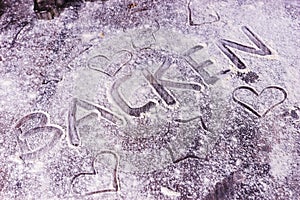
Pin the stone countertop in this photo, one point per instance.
(117, 99)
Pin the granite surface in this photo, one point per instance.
(152, 99)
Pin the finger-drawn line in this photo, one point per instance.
(262, 50)
(192, 23)
(116, 184)
(203, 125)
(136, 112)
(189, 155)
(73, 134)
(43, 118)
(159, 88)
(98, 56)
(104, 113)
(199, 67)
(249, 107)
(109, 60)
(181, 85)
(30, 154)
(80, 53)
(152, 35)
(157, 27)
(163, 68)
(193, 50)
(187, 120)
(172, 84)
(24, 25)
(43, 125)
(225, 71)
(180, 159)
(86, 117)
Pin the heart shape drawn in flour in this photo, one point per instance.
(259, 94)
(26, 131)
(102, 179)
(144, 36)
(201, 15)
(110, 65)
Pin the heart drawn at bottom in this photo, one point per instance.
(96, 182)
(257, 94)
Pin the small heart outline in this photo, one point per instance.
(116, 185)
(249, 107)
(190, 16)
